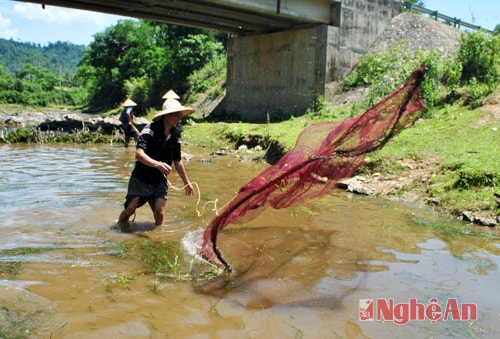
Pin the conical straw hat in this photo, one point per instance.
(129, 103)
(173, 106)
(170, 95)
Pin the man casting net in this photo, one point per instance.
(324, 153)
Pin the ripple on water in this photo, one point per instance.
(432, 244)
(301, 270)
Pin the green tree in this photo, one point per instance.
(121, 53)
(59, 57)
(142, 59)
(6, 80)
(417, 2)
(187, 49)
(190, 49)
(496, 31)
(8, 94)
(479, 54)
(36, 86)
(42, 77)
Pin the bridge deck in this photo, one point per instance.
(241, 17)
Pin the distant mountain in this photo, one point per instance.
(60, 57)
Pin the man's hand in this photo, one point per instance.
(188, 189)
(164, 168)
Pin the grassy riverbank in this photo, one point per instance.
(448, 160)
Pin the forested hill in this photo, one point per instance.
(59, 57)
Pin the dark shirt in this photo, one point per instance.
(159, 147)
(127, 115)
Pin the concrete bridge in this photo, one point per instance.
(284, 54)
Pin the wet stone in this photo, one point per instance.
(485, 222)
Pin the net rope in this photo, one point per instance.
(324, 153)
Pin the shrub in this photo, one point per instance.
(476, 66)
(479, 55)
(213, 72)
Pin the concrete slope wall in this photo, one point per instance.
(362, 21)
(421, 33)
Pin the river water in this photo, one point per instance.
(301, 272)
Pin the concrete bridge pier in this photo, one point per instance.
(276, 75)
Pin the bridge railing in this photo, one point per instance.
(458, 23)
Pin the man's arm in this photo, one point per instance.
(145, 159)
(188, 188)
(131, 122)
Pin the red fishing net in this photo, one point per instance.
(325, 152)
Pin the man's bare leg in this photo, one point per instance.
(159, 211)
(123, 219)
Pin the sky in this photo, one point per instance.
(27, 22)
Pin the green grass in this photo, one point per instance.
(465, 156)
(456, 143)
(450, 134)
(13, 267)
(219, 134)
(160, 259)
(25, 251)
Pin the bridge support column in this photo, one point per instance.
(276, 75)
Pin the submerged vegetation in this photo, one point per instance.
(162, 260)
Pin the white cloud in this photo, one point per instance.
(6, 31)
(63, 16)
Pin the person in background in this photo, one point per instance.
(158, 147)
(128, 121)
